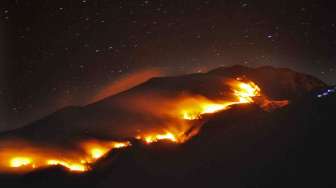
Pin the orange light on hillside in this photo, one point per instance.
(71, 166)
(151, 138)
(97, 149)
(178, 129)
(246, 91)
(96, 153)
(16, 162)
(77, 160)
(121, 144)
(193, 108)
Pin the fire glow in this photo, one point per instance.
(195, 108)
(168, 136)
(73, 161)
(71, 166)
(97, 149)
(186, 110)
(20, 161)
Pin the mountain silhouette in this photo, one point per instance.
(244, 146)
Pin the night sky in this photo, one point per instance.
(55, 53)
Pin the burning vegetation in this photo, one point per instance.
(186, 112)
(193, 108)
(20, 156)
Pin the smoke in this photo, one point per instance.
(126, 82)
(172, 108)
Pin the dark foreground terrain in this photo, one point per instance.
(241, 147)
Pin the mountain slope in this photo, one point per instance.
(109, 117)
(242, 146)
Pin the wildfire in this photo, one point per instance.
(246, 91)
(194, 107)
(185, 109)
(71, 166)
(76, 161)
(157, 137)
(243, 92)
(202, 107)
(121, 144)
(96, 153)
(98, 149)
(26, 163)
(20, 161)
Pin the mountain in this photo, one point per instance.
(243, 146)
(110, 116)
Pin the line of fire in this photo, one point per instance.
(21, 156)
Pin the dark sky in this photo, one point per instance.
(55, 53)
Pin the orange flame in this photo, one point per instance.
(246, 91)
(185, 111)
(71, 166)
(194, 108)
(20, 161)
(158, 137)
(98, 149)
(76, 161)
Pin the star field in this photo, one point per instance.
(59, 53)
